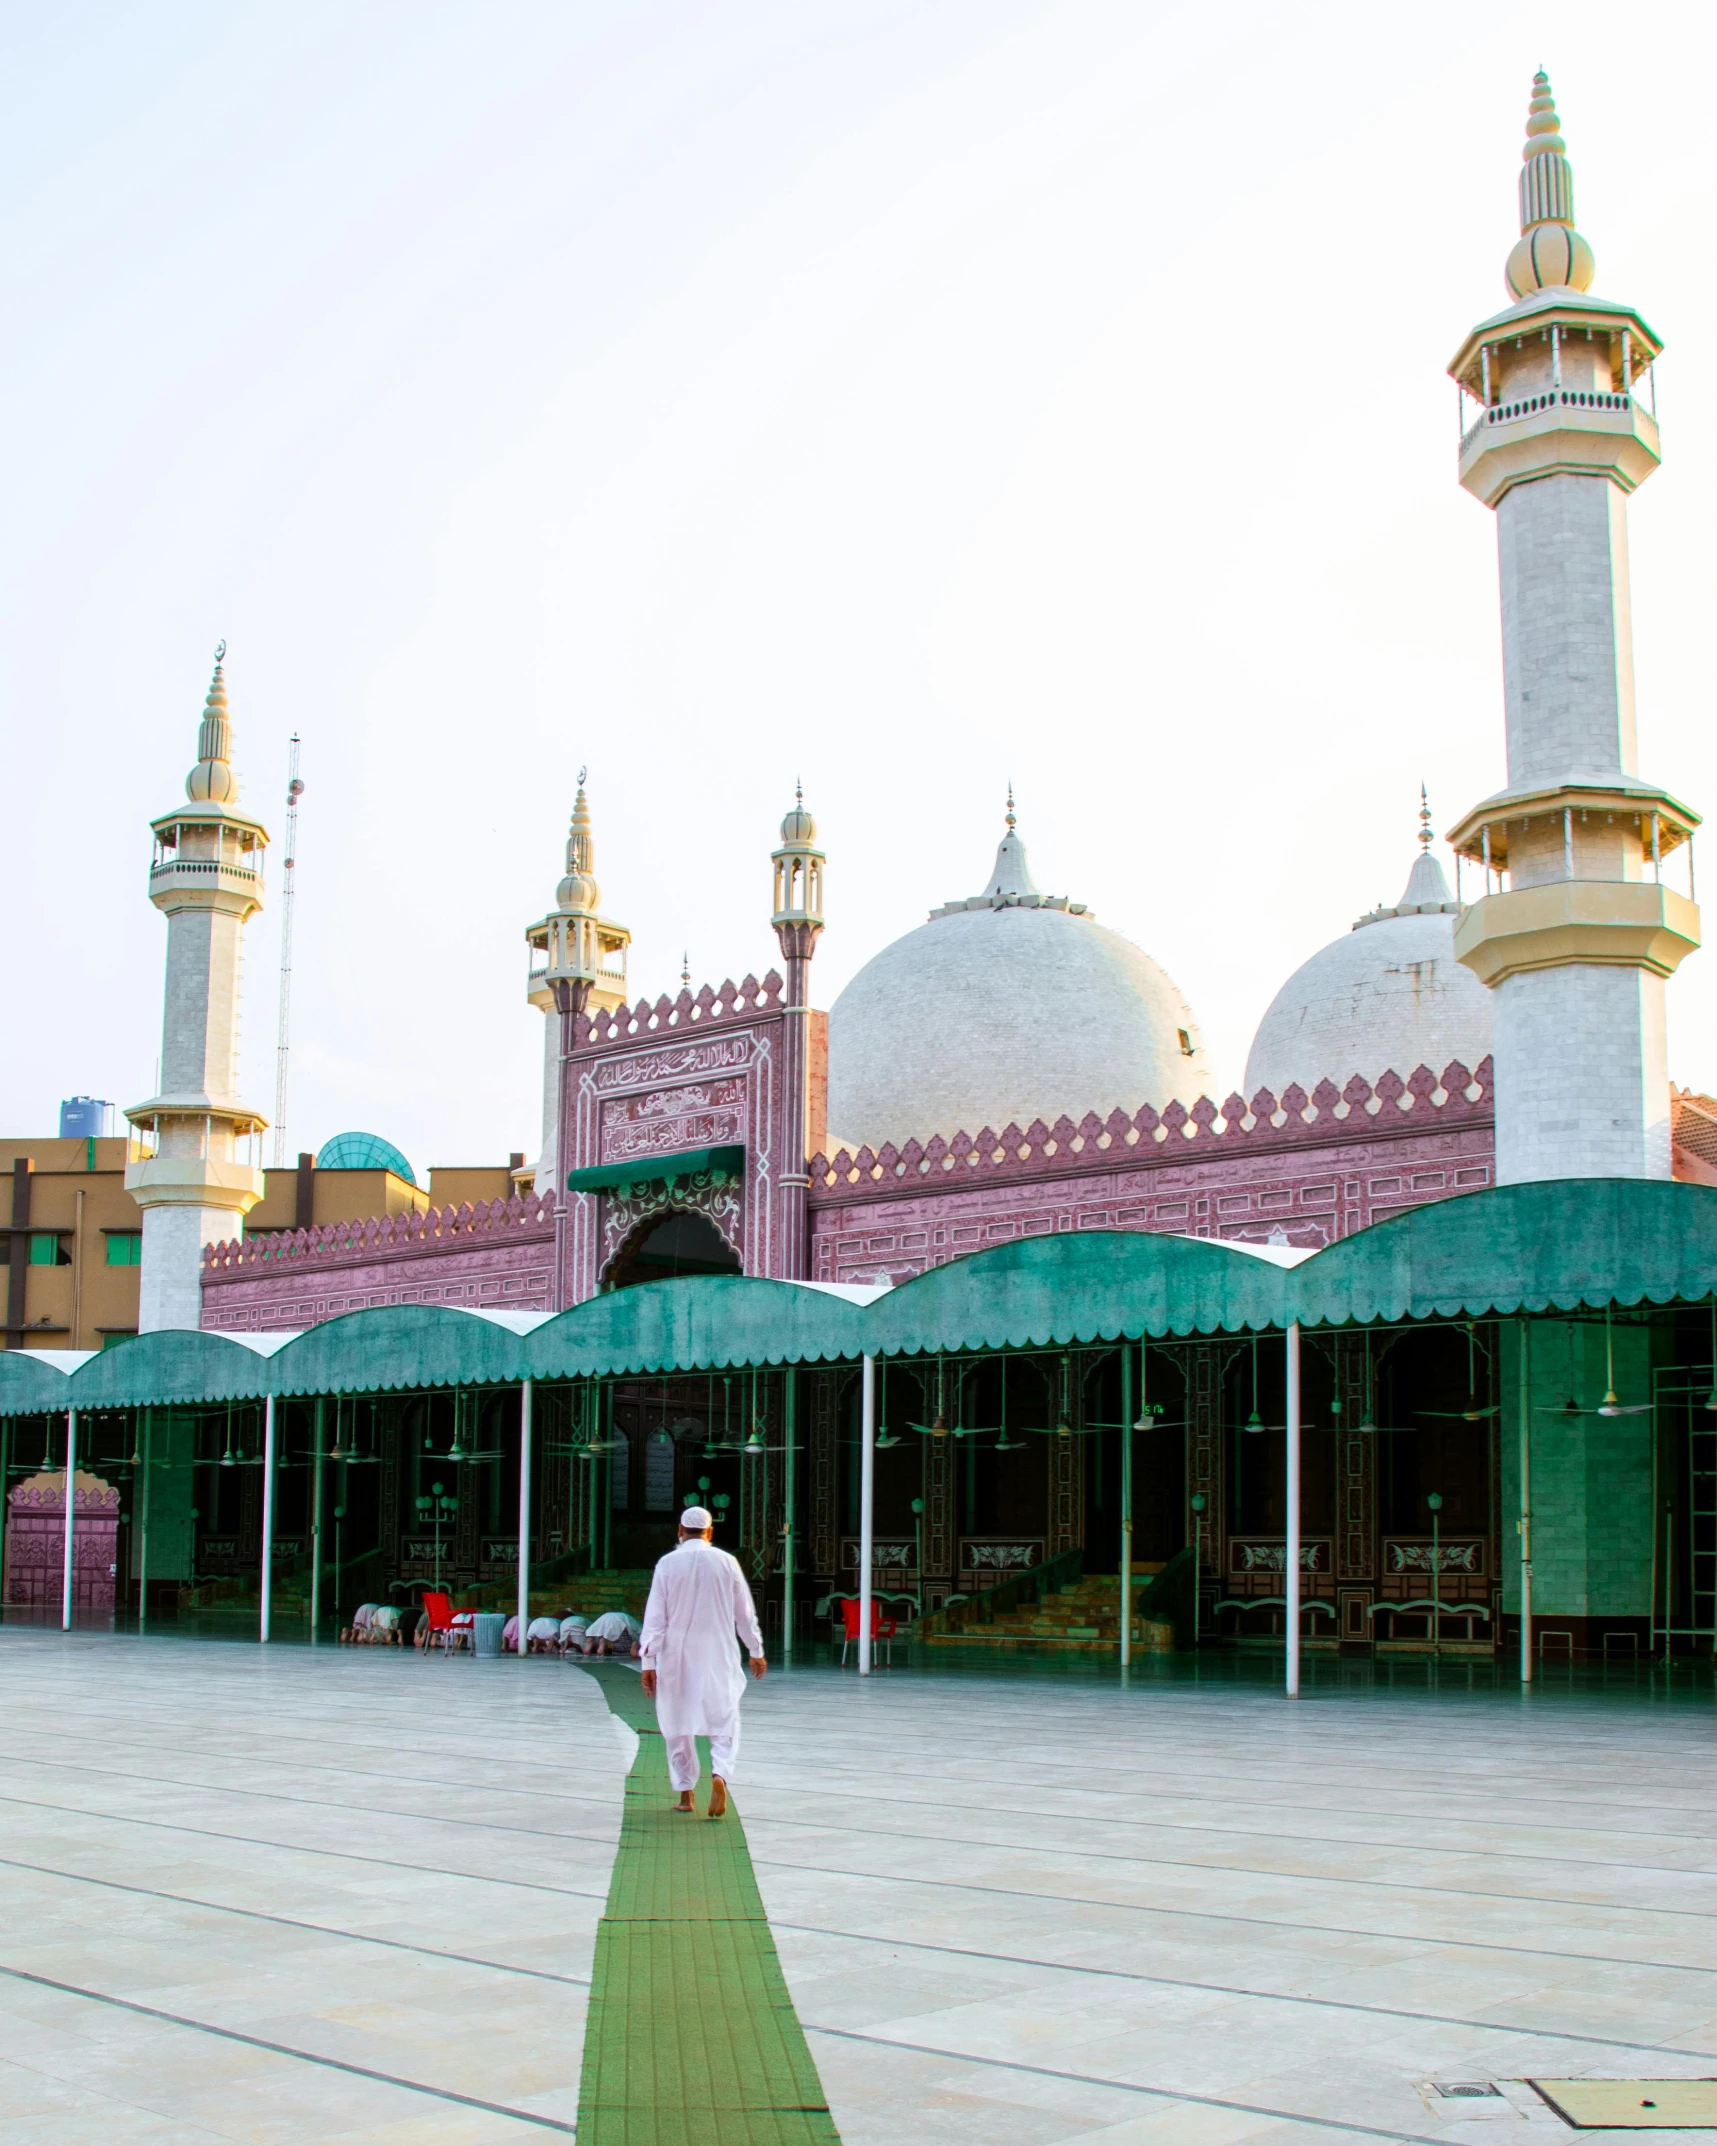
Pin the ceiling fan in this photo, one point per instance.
(1611, 1404)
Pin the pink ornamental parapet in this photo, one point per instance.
(690, 1010)
(489, 1222)
(1175, 1134)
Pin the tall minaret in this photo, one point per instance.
(798, 922)
(206, 879)
(578, 961)
(1576, 931)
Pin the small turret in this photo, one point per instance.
(578, 964)
(798, 913)
(583, 952)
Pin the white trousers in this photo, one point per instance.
(683, 1758)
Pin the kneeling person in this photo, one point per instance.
(699, 1605)
(612, 1633)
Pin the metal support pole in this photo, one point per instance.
(1291, 1561)
(71, 1512)
(524, 1515)
(267, 1520)
(316, 1524)
(790, 1421)
(1127, 1495)
(867, 1509)
(143, 1522)
(1525, 1507)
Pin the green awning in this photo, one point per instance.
(689, 1162)
(1557, 1245)
(1535, 1248)
(1080, 1286)
(703, 1322)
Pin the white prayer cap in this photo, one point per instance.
(697, 1519)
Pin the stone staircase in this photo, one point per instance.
(1082, 1619)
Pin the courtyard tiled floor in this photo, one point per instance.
(276, 1895)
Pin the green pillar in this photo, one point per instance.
(1591, 1474)
(168, 1529)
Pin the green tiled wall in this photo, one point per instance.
(1591, 1475)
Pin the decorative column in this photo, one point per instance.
(798, 922)
(1579, 941)
(937, 1492)
(206, 879)
(822, 1451)
(1202, 1366)
(1356, 1497)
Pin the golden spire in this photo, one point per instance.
(1550, 253)
(212, 781)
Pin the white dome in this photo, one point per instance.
(1388, 997)
(1005, 1008)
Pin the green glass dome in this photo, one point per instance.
(363, 1151)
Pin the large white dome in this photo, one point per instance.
(1011, 1006)
(1389, 997)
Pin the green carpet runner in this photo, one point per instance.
(691, 2038)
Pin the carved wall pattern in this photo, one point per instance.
(498, 1254)
(1313, 1168)
(1356, 1468)
(720, 1200)
(1202, 1364)
(666, 1121)
(1066, 1471)
(621, 1087)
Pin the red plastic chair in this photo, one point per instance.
(438, 1611)
(881, 1627)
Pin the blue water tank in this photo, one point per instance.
(85, 1117)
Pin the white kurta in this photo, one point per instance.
(699, 1606)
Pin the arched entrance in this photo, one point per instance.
(668, 1245)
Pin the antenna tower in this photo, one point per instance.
(294, 791)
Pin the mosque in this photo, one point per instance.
(1015, 1089)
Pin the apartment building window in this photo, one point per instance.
(45, 1249)
(125, 1248)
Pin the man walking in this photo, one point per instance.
(699, 1605)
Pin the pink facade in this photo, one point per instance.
(498, 1255)
(744, 1068)
(1304, 1169)
(36, 1542)
(725, 1068)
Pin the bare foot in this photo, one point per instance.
(717, 1796)
(685, 1803)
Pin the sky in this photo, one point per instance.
(904, 396)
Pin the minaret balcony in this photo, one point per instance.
(177, 883)
(1560, 431)
(1590, 923)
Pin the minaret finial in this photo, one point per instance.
(1426, 838)
(212, 781)
(686, 970)
(1012, 821)
(1550, 254)
(578, 891)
